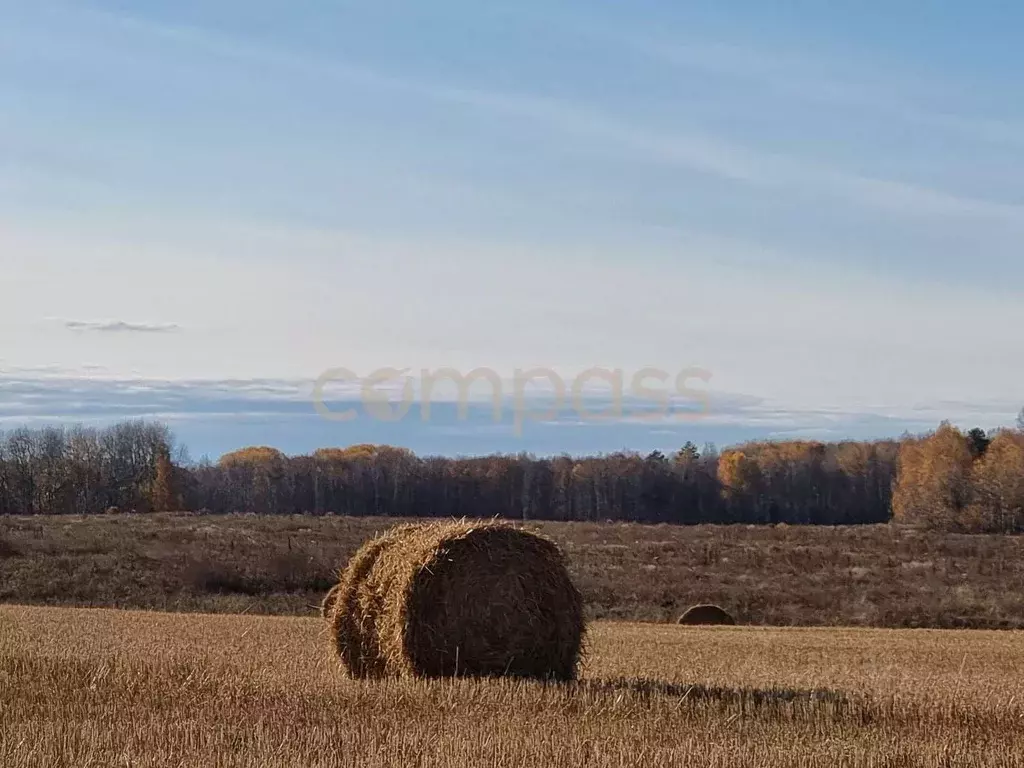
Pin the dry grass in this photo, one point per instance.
(881, 576)
(95, 688)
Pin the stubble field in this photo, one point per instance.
(91, 687)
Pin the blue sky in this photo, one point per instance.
(821, 207)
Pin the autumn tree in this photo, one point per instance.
(255, 477)
(257, 455)
(164, 497)
(742, 484)
(998, 486)
(934, 480)
(860, 481)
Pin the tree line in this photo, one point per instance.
(946, 479)
(65, 470)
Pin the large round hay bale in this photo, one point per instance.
(357, 605)
(458, 599)
(706, 615)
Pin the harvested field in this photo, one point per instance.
(90, 688)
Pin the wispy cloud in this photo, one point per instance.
(689, 150)
(738, 163)
(860, 86)
(119, 326)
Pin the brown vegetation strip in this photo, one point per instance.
(883, 576)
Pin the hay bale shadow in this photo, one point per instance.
(648, 689)
(814, 704)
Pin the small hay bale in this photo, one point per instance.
(458, 599)
(706, 615)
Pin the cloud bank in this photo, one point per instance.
(119, 326)
(215, 416)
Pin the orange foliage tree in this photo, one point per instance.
(997, 481)
(933, 486)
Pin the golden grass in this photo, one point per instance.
(97, 688)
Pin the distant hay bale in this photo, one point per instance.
(458, 599)
(706, 615)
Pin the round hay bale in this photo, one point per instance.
(356, 606)
(459, 599)
(706, 615)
